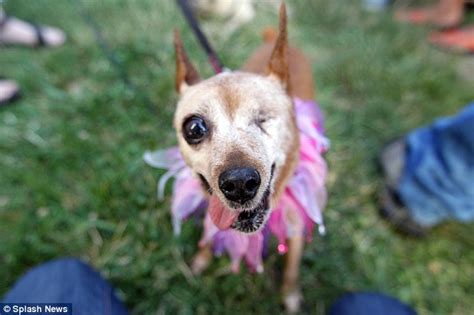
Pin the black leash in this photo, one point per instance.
(103, 44)
(192, 21)
(111, 56)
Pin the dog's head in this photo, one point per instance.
(237, 132)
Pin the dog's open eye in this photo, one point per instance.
(194, 129)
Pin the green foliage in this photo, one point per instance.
(73, 182)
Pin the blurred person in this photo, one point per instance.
(457, 40)
(444, 14)
(447, 16)
(375, 5)
(239, 11)
(429, 175)
(69, 280)
(9, 91)
(16, 32)
(235, 13)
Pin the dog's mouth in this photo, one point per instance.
(246, 221)
(250, 221)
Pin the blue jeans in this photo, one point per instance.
(369, 303)
(71, 281)
(438, 179)
(67, 281)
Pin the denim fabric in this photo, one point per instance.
(438, 180)
(367, 303)
(67, 281)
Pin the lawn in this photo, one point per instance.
(73, 182)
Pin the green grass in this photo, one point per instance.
(73, 182)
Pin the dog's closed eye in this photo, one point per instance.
(260, 122)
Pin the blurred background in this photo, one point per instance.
(73, 181)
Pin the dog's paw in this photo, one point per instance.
(292, 301)
(201, 261)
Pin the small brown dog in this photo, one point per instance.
(237, 132)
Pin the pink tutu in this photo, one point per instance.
(298, 210)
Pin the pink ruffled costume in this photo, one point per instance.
(299, 208)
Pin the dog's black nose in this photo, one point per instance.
(239, 184)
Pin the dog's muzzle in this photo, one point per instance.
(250, 221)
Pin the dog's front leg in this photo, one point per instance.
(201, 260)
(290, 289)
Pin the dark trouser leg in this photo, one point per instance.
(438, 179)
(369, 304)
(67, 281)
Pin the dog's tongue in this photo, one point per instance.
(222, 216)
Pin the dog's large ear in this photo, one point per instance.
(278, 65)
(186, 74)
